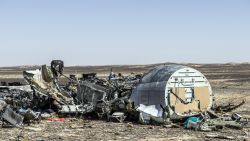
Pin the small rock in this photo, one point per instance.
(88, 126)
(73, 119)
(167, 126)
(247, 139)
(151, 127)
(40, 139)
(117, 133)
(34, 129)
(130, 125)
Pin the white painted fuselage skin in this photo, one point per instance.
(187, 78)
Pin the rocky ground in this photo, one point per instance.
(92, 130)
(230, 82)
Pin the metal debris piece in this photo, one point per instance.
(220, 123)
(3, 104)
(46, 88)
(30, 115)
(228, 107)
(74, 109)
(12, 117)
(118, 116)
(57, 67)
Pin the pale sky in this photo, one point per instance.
(102, 32)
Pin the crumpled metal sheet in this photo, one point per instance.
(12, 117)
(152, 110)
(73, 109)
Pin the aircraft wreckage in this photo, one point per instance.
(164, 94)
(177, 90)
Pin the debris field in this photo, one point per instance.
(155, 102)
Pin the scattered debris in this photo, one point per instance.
(173, 96)
(228, 107)
(192, 123)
